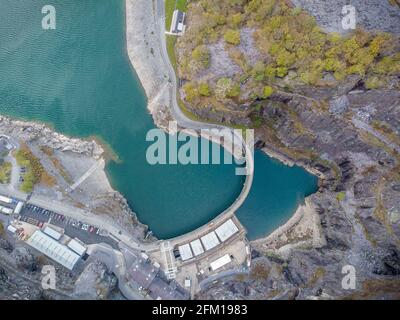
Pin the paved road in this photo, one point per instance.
(115, 261)
(185, 122)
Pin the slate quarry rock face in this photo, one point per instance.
(370, 14)
(359, 229)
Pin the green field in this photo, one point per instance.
(169, 11)
(170, 6)
(171, 41)
(181, 5)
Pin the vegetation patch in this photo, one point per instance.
(2, 231)
(35, 172)
(5, 172)
(290, 46)
(57, 164)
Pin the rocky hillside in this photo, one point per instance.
(327, 101)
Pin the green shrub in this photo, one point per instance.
(190, 91)
(267, 92)
(232, 37)
(201, 54)
(204, 89)
(234, 91)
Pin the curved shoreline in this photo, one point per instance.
(162, 94)
(160, 91)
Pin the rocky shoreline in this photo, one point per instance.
(75, 155)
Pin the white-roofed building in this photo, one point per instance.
(5, 199)
(185, 252)
(18, 208)
(210, 240)
(52, 233)
(219, 263)
(53, 249)
(11, 229)
(197, 248)
(77, 246)
(226, 230)
(5, 210)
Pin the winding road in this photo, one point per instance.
(185, 122)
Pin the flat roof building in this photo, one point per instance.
(185, 252)
(197, 248)
(77, 246)
(178, 22)
(226, 230)
(11, 229)
(18, 208)
(210, 240)
(52, 233)
(5, 199)
(219, 263)
(53, 249)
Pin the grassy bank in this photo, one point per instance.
(5, 172)
(181, 5)
(169, 11)
(171, 41)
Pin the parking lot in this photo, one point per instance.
(73, 228)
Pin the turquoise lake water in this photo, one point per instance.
(78, 79)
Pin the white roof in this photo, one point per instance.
(12, 229)
(185, 252)
(219, 263)
(6, 210)
(53, 249)
(5, 199)
(77, 246)
(210, 240)
(18, 208)
(197, 247)
(52, 233)
(226, 230)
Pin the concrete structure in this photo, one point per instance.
(178, 22)
(146, 278)
(185, 252)
(197, 248)
(5, 199)
(77, 246)
(18, 208)
(53, 249)
(5, 210)
(226, 230)
(52, 233)
(210, 240)
(219, 263)
(12, 229)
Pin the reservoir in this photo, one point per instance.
(79, 80)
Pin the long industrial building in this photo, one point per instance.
(53, 249)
